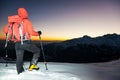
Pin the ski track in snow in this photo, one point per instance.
(64, 71)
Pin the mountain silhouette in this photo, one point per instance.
(85, 49)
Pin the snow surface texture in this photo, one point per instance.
(64, 71)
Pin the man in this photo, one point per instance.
(22, 38)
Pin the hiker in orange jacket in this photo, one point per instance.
(21, 44)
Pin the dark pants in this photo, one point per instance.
(27, 45)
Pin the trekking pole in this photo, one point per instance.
(43, 53)
(6, 44)
(6, 55)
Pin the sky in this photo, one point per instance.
(66, 19)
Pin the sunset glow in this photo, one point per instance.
(3, 37)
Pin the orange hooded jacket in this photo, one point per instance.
(27, 25)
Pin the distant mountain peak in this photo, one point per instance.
(107, 39)
(86, 36)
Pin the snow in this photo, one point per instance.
(63, 71)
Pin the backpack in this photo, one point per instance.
(15, 29)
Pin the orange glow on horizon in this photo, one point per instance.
(47, 38)
(2, 37)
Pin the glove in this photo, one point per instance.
(39, 32)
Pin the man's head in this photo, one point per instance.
(22, 12)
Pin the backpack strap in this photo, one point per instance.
(21, 32)
(23, 37)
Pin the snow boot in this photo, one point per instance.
(33, 67)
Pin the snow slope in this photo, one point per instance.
(64, 71)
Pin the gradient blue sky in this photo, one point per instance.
(67, 19)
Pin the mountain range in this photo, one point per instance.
(84, 49)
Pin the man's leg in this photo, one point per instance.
(19, 61)
(34, 49)
(35, 58)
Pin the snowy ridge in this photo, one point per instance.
(9, 73)
(38, 75)
(64, 71)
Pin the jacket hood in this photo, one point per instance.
(22, 12)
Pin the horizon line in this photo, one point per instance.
(56, 39)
